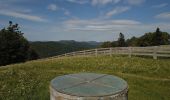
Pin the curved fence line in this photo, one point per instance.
(154, 51)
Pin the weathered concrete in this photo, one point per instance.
(88, 86)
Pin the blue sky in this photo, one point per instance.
(85, 20)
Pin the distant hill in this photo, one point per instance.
(52, 48)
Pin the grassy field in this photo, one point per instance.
(148, 79)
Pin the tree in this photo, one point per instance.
(165, 38)
(32, 55)
(114, 43)
(150, 39)
(146, 40)
(157, 37)
(121, 40)
(106, 44)
(14, 47)
(132, 42)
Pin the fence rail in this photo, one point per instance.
(154, 51)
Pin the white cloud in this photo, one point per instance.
(135, 2)
(116, 1)
(107, 28)
(78, 1)
(92, 30)
(165, 15)
(52, 7)
(104, 2)
(8, 4)
(94, 2)
(117, 10)
(98, 25)
(67, 13)
(22, 16)
(122, 25)
(25, 10)
(160, 5)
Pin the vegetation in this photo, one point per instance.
(52, 48)
(14, 47)
(148, 39)
(148, 79)
(106, 44)
(119, 43)
(121, 40)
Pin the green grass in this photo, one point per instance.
(148, 79)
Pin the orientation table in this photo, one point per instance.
(88, 86)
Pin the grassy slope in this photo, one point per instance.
(148, 79)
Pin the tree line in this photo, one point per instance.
(148, 39)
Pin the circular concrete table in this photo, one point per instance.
(88, 86)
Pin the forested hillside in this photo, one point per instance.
(52, 48)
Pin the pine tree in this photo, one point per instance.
(121, 40)
(158, 37)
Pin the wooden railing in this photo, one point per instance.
(154, 51)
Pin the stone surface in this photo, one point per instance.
(88, 86)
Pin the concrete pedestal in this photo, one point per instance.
(88, 86)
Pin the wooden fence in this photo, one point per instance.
(154, 51)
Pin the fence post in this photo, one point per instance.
(96, 52)
(130, 52)
(84, 52)
(65, 54)
(74, 53)
(155, 52)
(110, 52)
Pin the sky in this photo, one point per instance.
(85, 20)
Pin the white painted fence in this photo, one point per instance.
(154, 51)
